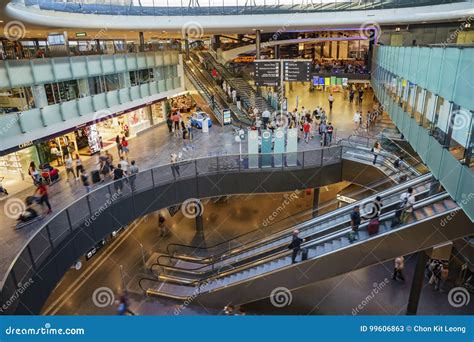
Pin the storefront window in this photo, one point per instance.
(418, 104)
(429, 110)
(61, 91)
(440, 129)
(15, 165)
(410, 98)
(157, 112)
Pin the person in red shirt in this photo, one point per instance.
(42, 190)
(306, 130)
(125, 149)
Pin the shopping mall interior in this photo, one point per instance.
(244, 157)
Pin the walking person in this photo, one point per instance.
(34, 173)
(330, 131)
(306, 131)
(42, 190)
(125, 149)
(361, 96)
(442, 277)
(376, 151)
(119, 145)
(184, 129)
(331, 101)
(174, 164)
(69, 164)
(356, 120)
(295, 245)
(85, 180)
(123, 307)
(118, 176)
(398, 269)
(189, 127)
(164, 231)
(124, 165)
(351, 96)
(169, 123)
(132, 172)
(266, 118)
(355, 221)
(175, 122)
(79, 166)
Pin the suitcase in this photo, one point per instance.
(95, 176)
(373, 227)
(304, 254)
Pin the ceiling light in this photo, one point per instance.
(397, 29)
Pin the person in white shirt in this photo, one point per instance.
(234, 96)
(69, 167)
(407, 201)
(356, 120)
(266, 118)
(398, 269)
(124, 165)
(255, 111)
(331, 101)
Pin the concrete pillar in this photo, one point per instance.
(141, 38)
(315, 201)
(216, 42)
(276, 50)
(199, 220)
(186, 45)
(257, 43)
(418, 281)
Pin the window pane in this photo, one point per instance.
(429, 110)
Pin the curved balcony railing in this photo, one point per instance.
(83, 212)
(220, 7)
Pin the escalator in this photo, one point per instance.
(207, 80)
(231, 264)
(249, 97)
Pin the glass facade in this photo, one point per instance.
(433, 107)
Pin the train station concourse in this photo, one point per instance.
(258, 158)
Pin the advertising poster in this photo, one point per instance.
(253, 149)
(279, 147)
(267, 148)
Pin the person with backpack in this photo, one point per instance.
(295, 245)
(355, 221)
(329, 132)
(407, 201)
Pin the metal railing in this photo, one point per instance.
(84, 211)
(221, 7)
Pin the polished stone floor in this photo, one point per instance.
(152, 148)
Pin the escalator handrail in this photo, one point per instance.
(227, 256)
(384, 193)
(340, 233)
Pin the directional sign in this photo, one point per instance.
(267, 73)
(297, 71)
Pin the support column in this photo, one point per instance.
(199, 220)
(39, 96)
(186, 45)
(257, 44)
(315, 201)
(216, 42)
(276, 50)
(141, 38)
(418, 281)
